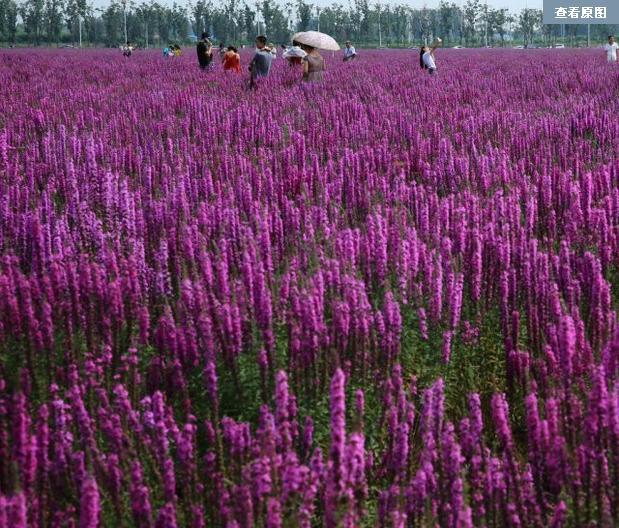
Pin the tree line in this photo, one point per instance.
(76, 22)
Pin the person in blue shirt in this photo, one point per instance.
(260, 65)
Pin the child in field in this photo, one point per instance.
(426, 57)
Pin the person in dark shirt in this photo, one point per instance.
(205, 52)
(260, 65)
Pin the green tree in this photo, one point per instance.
(8, 20)
(74, 10)
(53, 19)
(529, 21)
(276, 27)
(32, 13)
(93, 26)
(230, 16)
(147, 16)
(499, 20)
(201, 17)
(304, 15)
(448, 17)
(364, 17)
(471, 15)
(113, 20)
(425, 25)
(249, 19)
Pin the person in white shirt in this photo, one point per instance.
(349, 52)
(426, 57)
(611, 49)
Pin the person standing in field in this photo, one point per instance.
(349, 52)
(127, 49)
(313, 64)
(426, 57)
(260, 65)
(611, 49)
(294, 54)
(205, 52)
(232, 60)
(273, 49)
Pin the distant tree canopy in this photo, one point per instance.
(38, 22)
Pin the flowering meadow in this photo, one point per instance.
(387, 300)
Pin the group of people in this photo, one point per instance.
(172, 50)
(127, 49)
(427, 62)
(298, 54)
(310, 59)
(260, 65)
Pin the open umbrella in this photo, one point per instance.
(316, 39)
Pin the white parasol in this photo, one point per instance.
(316, 39)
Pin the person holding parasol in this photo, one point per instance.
(311, 43)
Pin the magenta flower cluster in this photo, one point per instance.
(385, 300)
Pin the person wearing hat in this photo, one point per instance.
(349, 52)
(205, 52)
(294, 54)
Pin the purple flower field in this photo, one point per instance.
(388, 300)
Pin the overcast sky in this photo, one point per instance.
(514, 5)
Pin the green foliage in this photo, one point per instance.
(233, 21)
(304, 15)
(8, 20)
